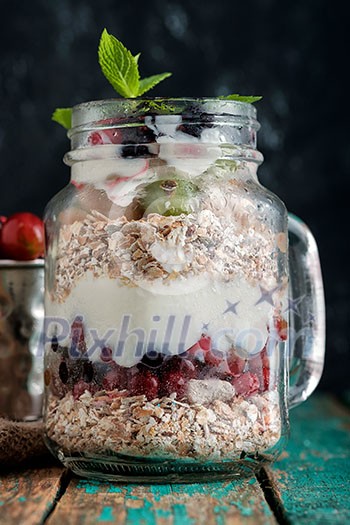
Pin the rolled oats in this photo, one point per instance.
(158, 247)
(164, 427)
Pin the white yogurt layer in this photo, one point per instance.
(192, 156)
(119, 178)
(162, 317)
(179, 149)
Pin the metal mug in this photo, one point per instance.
(21, 326)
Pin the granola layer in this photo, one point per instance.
(107, 423)
(167, 248)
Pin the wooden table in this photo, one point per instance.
(308, 485)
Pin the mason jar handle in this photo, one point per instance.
(306, 308)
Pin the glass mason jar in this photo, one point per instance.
(175, 310)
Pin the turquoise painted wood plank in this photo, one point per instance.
(219, 503)
(313, 475)
(28, 495)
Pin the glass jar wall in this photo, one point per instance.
(166, 294)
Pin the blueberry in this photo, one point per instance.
(54, 344)
(135, 140)
(195, 130)
(152, 359)
(194, 122)
(87, 372)
(63, 372)
(134, 150)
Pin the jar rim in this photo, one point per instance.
(86, 112)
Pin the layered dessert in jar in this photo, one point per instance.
(165, 298)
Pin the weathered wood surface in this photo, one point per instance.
(310, 484)
(313, 475)
(27, 496)
(230, 503)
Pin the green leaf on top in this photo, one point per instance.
(63, 116)
(241, 98)
(121, 68)
(149, 82)
(118, 65)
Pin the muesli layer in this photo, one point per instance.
(160, 248)
(113, 422)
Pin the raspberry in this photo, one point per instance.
(236, 364)
(80, 387)
(77, 336)
(115, 377)
(200, 349)
(78, 185)
(195, 352)
(215, 358)
(212, 357)
(205, 343)
(176, 374)
(281, 327)
(95, 138)
(260, 366)
(259, 361)
(133, 138)
(208, 362)
(218, 371)
(246, 384)
(180, 364)
(105, 136)
(174, 381)
(144, 383)
(265, 380)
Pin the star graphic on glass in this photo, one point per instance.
(293, 305)
(205, 327)
(311, 319)
(266, 295)
(231, 307)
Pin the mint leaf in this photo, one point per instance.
(148, 83)
(162, 107)
(119, 66)
(241, 98)
(63, 116)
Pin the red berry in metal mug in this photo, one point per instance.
(22, 237)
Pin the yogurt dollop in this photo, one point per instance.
(167, 318)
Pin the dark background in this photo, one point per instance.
(292, 52)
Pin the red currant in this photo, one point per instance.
(246, 384)
(144, 383)
(22, 237)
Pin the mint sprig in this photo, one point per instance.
(121, 68)
(63, 116)
(241, 98)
